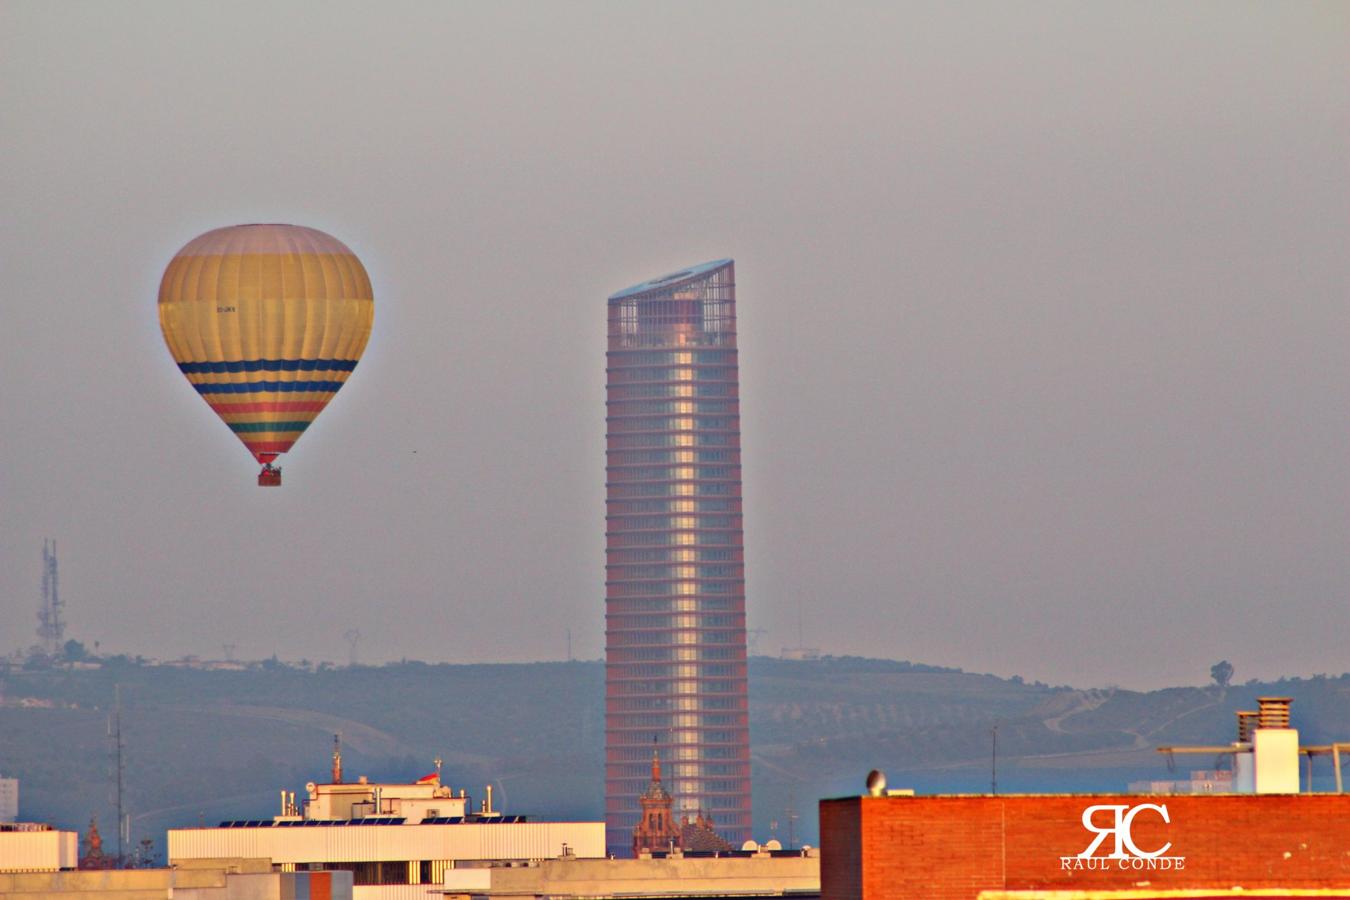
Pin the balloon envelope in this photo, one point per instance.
(267, 322)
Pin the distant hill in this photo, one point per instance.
(209, 745)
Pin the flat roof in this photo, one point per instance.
(674, 279)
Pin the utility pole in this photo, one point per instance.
(116, 730)
(993, 761)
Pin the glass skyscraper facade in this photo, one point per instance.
(675, 650)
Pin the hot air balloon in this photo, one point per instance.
(267, 322)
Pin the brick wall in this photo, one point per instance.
(950, 847)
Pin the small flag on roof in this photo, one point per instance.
(433, 778)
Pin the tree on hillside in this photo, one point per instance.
(1222, 673)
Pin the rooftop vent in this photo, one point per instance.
(1273, 712)
(1246, 721)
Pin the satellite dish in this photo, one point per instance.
(876, 783)
(773, 844)
(311, 786)
(750, 845)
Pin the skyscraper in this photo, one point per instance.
(675, 652)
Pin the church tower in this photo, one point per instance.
(656, 829)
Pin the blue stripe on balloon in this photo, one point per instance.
(267, 365)
(257, 427)
(258, 387)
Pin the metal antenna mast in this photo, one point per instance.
(115, 730)
(51, 626)
(993, 761)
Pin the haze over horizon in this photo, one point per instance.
(1042, 323)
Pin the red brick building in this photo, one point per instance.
(954, 847)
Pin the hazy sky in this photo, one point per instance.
(1043, 322)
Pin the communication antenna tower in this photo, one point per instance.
(119, 768)
(51, 625)
(351, 637)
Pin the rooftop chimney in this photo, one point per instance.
(1273, 712)
(1246, 722)
(1275, 748)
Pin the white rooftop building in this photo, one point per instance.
(31, 847)
(9, 799)
(397, 840)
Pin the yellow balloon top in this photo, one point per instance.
(266, 322)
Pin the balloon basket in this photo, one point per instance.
(269, 477)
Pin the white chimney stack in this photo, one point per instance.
(1274, 748)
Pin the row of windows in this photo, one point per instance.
(635, 440)
(689, 644)
(620, 557)
(691, 770)
(691, 639)
(637, 605)
(641, 752)
(673, 357)
(674, 473)
(701, 737)
(727, 688)
(698, 785)
(692, 796)
(673, 740)
(734, 638)
(630, 680)
(661, 721)
(735, 650)
(636, 583)
(688, 422)
(676, 620)
(626, 571)
(671, 457)
(677, 523)
(678, 589)
(619, 705)
(656, 533)
(648, 375)
(686, 389)
(668, 489)
(667, 332)
(616, 508)
(625, 407)
(383, 872)
(710, 787)
(638, 633)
